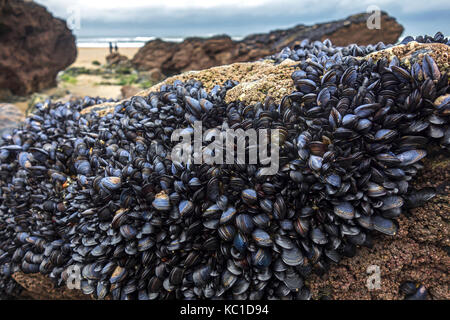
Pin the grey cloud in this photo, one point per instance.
(154, 21)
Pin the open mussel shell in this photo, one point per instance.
(412, 156)
(375, 190)
(334, 180)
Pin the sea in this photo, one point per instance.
(124, 42)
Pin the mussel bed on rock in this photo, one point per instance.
(101, 193)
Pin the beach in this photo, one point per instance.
(87, 55)
(91, 85)
(84, 84)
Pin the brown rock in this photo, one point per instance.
(115, 59)
(34, 47)
(201, 53)
(160, 52)
(129, 91)
(356, 31)
(38, 287)
(153, 75)
(5, 94)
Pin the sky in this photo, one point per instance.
(178, 18)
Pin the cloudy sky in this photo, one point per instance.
(178, 18)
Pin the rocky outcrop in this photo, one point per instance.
(201, 53)
(34, 47)
(115, 59)
(418, 252)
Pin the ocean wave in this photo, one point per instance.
(125, 42)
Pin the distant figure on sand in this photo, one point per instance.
(110, 47)
(117, 49)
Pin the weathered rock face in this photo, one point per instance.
(34, 47)
(200, 53)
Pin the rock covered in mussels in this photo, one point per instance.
(101, 193)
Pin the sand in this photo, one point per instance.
(87, 55)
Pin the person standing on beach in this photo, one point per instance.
(116, 48)
(110, 48)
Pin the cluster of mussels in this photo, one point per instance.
(307, 49)
(101, 195)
